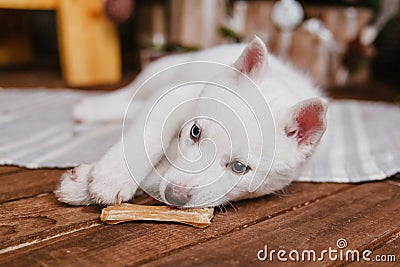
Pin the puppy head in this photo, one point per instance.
(226, 151)
(214, 165)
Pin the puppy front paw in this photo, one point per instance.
(111, 187)
(73, 188)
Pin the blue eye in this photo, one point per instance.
(238, 167)
(195, 132)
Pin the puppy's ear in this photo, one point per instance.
(253, 59)
(307, 122)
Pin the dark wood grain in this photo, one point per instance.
(362, 215)
(388, 249)
(42, 217)
(139, 242)
(37, 218)
(10, 169)
(23, 184)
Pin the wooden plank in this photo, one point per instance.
(33, 219)
(138, 242)
(28, 183)
(29, 4)
(10, 169)
(383, 256)
(89, 44)
(366, 214)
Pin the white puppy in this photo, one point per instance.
(187, 147)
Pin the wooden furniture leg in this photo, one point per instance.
(89, 43)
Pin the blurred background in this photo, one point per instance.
(350, 47)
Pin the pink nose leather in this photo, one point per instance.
(177, 195)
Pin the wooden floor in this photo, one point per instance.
(37, 230)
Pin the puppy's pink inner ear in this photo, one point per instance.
(251, 61)
(309, 120)
(253, 58)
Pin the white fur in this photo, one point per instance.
(108, 181)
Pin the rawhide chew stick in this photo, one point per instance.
(199, 218)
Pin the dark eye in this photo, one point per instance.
(238, 167)
(195, 132)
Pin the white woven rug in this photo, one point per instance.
(362, 142)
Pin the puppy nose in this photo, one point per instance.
(177, 195)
